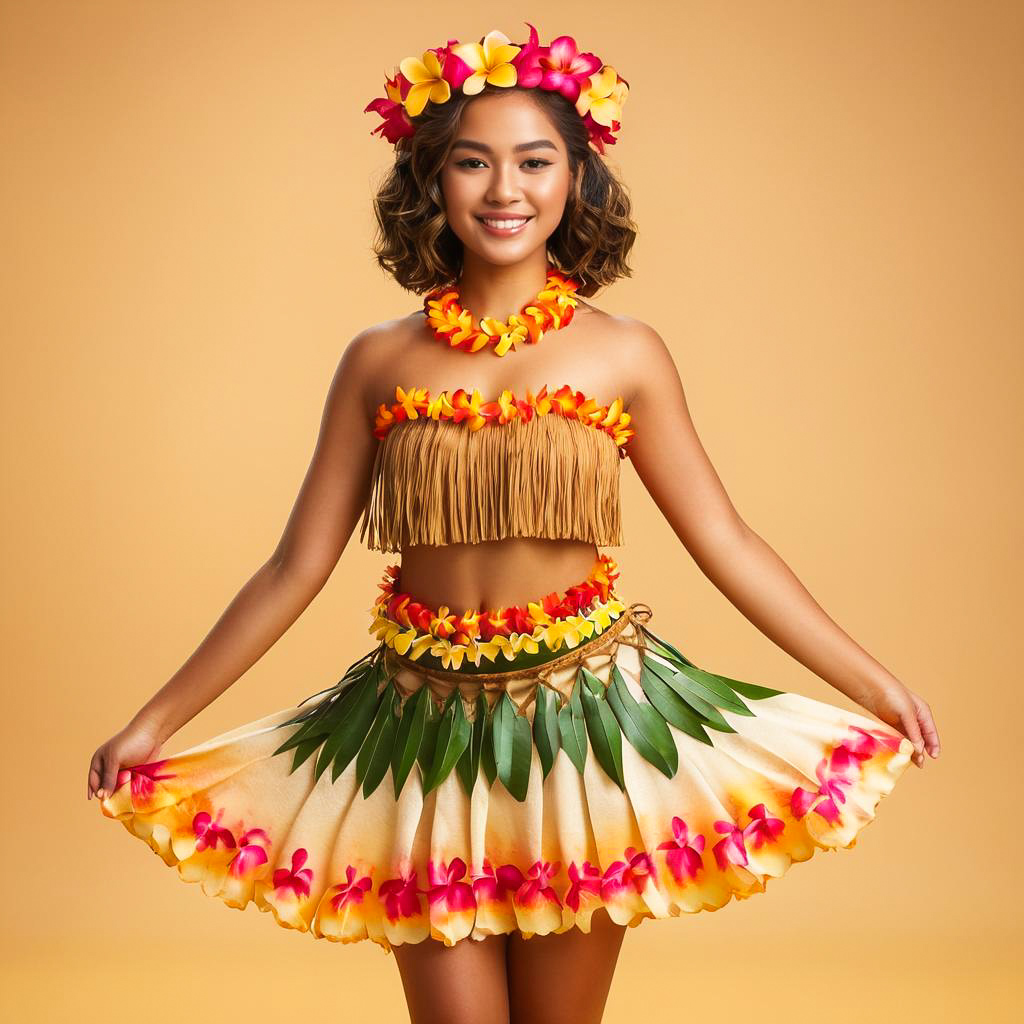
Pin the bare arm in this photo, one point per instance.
(322, 519)
(674, 467)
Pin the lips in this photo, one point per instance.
(503, 225)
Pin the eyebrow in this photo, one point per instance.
(483, 148)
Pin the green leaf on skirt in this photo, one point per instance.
(453, 737)
(641, 724)
(671, 706)
(408, 737)
(468, 766)
(604, 733)
(709, 714)
(545, 728)
(572, 728)
(348, 733)
(379, 758)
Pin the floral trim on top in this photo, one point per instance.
(462, 406)
(411, 627)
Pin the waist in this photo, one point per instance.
(496, 638)
(493, 574)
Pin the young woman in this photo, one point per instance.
(520, 750)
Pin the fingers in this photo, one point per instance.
(109, 777)
(927, 724)
(908, 722)
(95, 767)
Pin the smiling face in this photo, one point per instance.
(506, 180)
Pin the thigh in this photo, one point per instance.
(564, 978)
(461, 984)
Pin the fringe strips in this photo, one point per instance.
(437, 482)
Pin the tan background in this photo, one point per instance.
(831, 233)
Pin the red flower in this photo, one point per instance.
(251, 853)
(351, 890)
(538, 883)
(588, 882)
(445, 886)
(401, 897)
(684, 857)
(298, 881)
(210, 832)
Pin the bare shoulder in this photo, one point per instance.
(635, 350)
(371, 351)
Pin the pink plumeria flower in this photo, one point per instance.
(210, 832)
(298, 879)
(830, 788)
(494, 884)
(351, 890)
(763, 828)
(538, 882)
(684, 857)
(634, 871)
(143, 779)
(401, 897)
(729, 850)
(252, 852)
(587, 882)
(445, 886)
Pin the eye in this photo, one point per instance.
(532, 160)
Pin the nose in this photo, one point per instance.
(502, 189)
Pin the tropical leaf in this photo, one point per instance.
(320, 722)
(709, 714)
(380, 757)
(671, 652)
(517, 779)
(304, 751)
(502, 733)
(431, 725)
(408, 737)
(752, 690)
(572, 728)
(545, 728)
(453, 737)
(603, 730)
(468, 766)
(370, 743)
(641, 724)
(347, 735)
(671, 706)
(487, 749)
(713, 690)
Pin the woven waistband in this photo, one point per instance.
(595, 645)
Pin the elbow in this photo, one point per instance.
(308, 573)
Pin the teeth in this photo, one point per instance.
(504, 223)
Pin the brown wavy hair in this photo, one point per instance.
(417, 247)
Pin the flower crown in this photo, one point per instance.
(596, 89)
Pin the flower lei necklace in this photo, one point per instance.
(452, 323)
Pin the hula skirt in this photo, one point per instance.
(434, 792)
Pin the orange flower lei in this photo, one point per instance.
(462, 406)
(411, 627)
(552, 309)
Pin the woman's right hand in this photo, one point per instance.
(137, 743)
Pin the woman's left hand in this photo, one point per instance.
(901, 708)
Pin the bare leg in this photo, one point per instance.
(461, 984)
(564, 978)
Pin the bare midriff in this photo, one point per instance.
(494, 574)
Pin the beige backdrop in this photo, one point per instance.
(831, 234)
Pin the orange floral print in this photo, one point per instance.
(470, 408)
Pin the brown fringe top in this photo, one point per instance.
(437, 482)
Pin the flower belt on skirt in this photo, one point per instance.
(513, 785)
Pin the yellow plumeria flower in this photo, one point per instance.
(489, 62)
(596, 96)
(427, 83)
